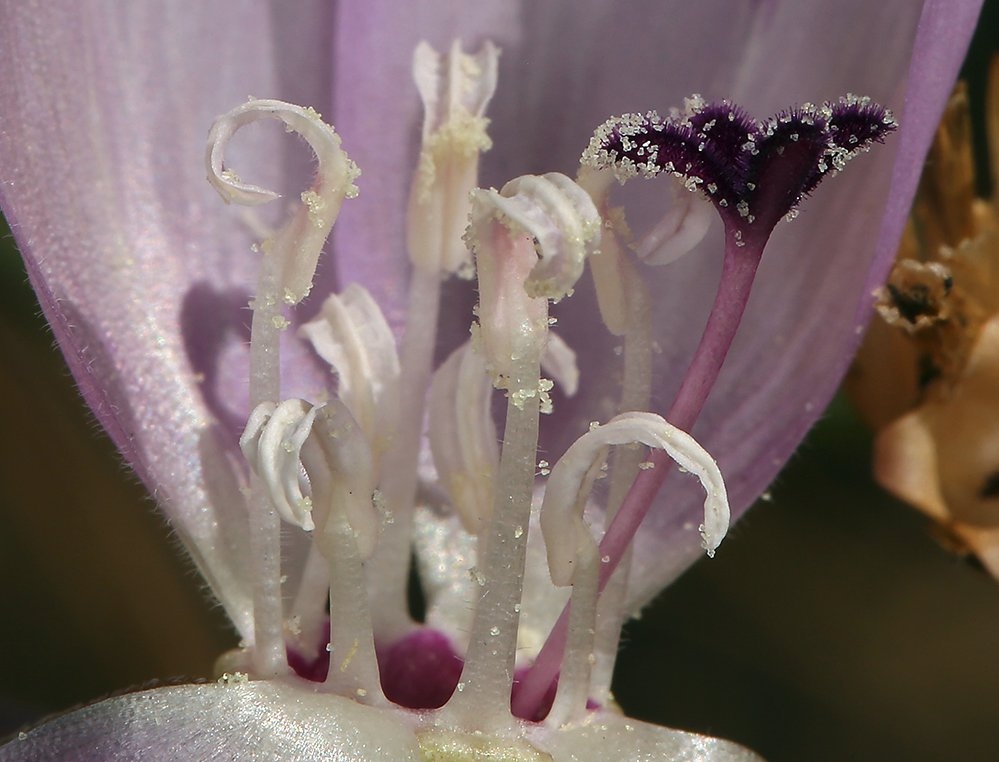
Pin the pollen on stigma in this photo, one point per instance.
(353, 473)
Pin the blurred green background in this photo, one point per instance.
(829, 627)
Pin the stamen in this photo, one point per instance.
(286, 272)
(636, 389)
(455, 94)
(567, 535)
(561, 220)
(572, 551)
(625, 308)
(352, 335)
(292, 445)
(530, 238)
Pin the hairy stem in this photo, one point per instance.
(269, 657)
(484, 691)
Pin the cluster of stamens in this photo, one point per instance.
(347, 471)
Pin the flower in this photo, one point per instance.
(924, 375)
(132, 258)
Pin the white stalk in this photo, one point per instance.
(530, 242)
(286, 272)
(389, 568)
(625, 464)
(455, 89)
(482, 701)
(572, 546)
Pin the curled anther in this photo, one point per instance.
(352, 335)
(562, 219)
(530, 241)
(304, 454)
(300, 241)
(567, 536)
(272, 444)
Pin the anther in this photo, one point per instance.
(455, 89)
(530, 242)
(352, 335)
(566, 534)
(298, 243)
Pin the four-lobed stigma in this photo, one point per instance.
(754, 172)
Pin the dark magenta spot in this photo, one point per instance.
(421, 670)
(313, 669)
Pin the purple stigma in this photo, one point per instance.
(754, 172)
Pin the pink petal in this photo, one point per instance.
(106, 109)
(140, 269)
(812, 296)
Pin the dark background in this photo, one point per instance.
(830, 626)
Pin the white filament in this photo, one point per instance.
(285, 277)
(338, 461)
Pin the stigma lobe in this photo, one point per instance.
(754, 172)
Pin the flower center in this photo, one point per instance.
(402, 453)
